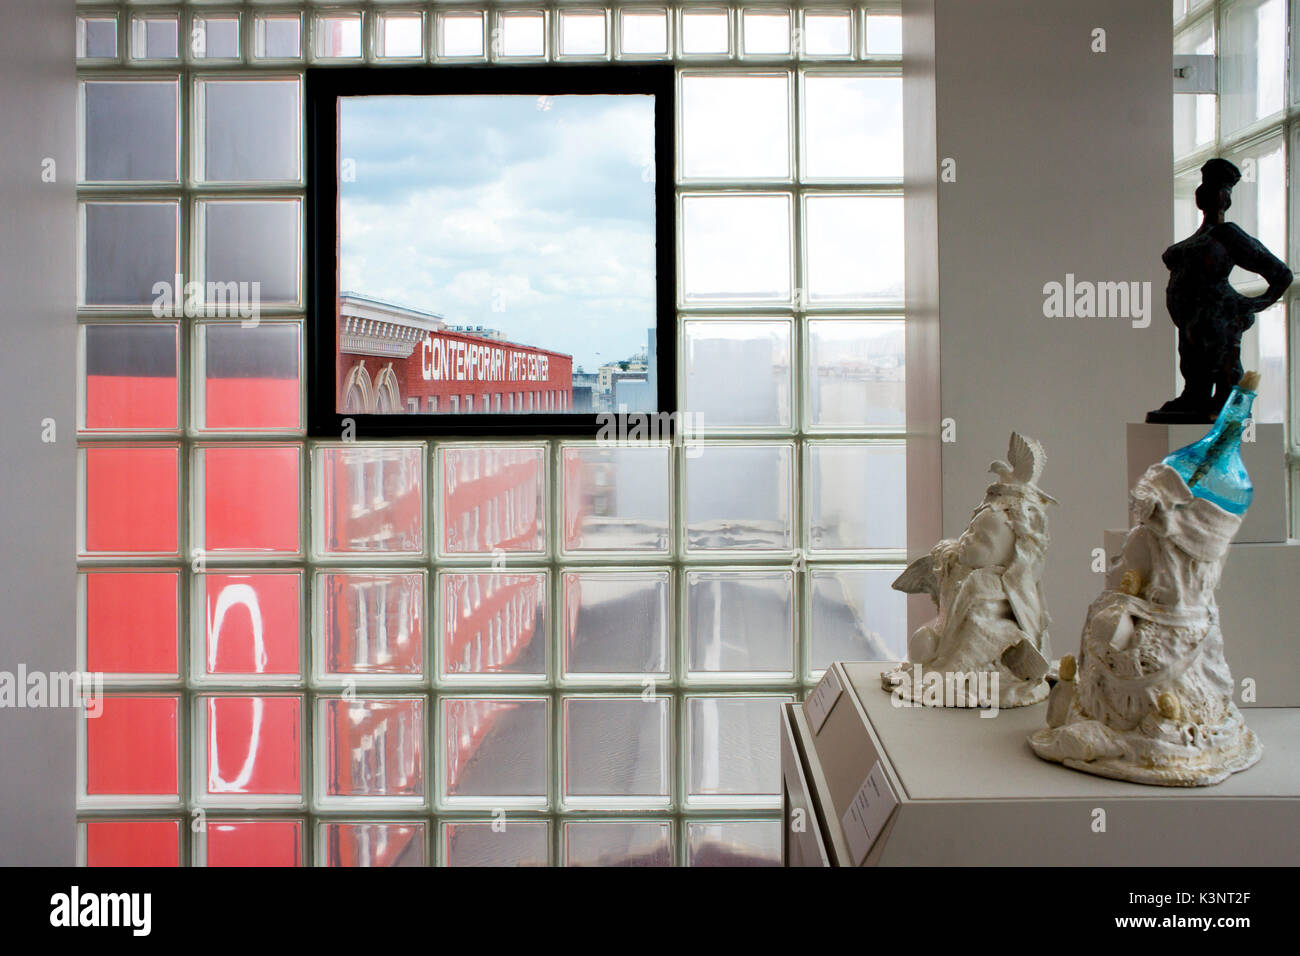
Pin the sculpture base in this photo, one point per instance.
(913, 685)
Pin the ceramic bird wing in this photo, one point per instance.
(1025, 461)
(919, 578)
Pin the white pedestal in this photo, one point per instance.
(969, 791)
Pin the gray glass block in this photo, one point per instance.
(616, 622)
(155, 39)
(740, 621)
(857, 496)
(221, 39)
(130, 132)
(100, 38)
(129, 248)
(856, 373)
(733, 745)
(251, 131)
(616, 747)
(372, 844)
(494, 748)
(738, 498)
(487, 844)
(253, 242)
(618, 843)
(281, 38)
(856, 616)
(618, 498)
(734, 843)
(737, 373)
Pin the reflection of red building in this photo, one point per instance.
(393, 359)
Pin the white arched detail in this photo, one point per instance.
(358, 393)
(388, 395)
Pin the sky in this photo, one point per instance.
(532, 216)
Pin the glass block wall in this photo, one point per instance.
(540, 652)
(1252, 122)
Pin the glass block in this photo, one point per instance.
(494, 623)
(766, 32)
(371, 623)
(582, 33)
(884, 34)
(401, 35)
(131, 747)
(644, 32)
(854, 248)
(372, 844)
(740, 623)
(130, 132)
(216, 38)
(278, 37)
(487, 844)
(1263, 347)
(616, 499)
(856, 616)
(617, 750)
(250, 130)
(1259, 200)
(1194, 113)
(252, 623)
(856, 373)
(460, 34)
(253, 746)
(617, 622)
(250, 377)
(154, 38)
(521, 34)
(827, 34)
(370, 499)
(1252, 62)
(131, 499)
(133, 842)
(494, 749)
(737, 373)
(737, 248)
(853, 127)
(131, 622)
(705, 31)
(618, 843)
(254, 843)
(734, 843)
(338, 35)
(131, 249)
(857, 496)
(97, 38)
(492, 498)
(1187, 218)
(738, 497)
(372, 747)
(734, 753)
(249, 242)
(249, 498)
(130, 377)
(735, 126)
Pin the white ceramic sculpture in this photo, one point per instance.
(1150, 697)
(992, 624)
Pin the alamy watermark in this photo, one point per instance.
(23, 689)
(1084, 299)
(210, 300)
(949, 689)
(630, 429)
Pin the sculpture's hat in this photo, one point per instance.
(1220, 173)
(1019, 474)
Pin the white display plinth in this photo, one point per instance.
(970, 792)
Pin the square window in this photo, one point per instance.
(370, 499)
(521, 34)
(737, 373)
(737, 248)
(250, 130)
(130, 132)
(401, 35)
(460, 35)
(154, 38)
(372, 748)
(1195, 114)
(740, 623)
(618, 843)
(131, 501)
(216, 38)
(483, 844)
(253, 843)
(252, 249)
(338, 36)
(132, 842)
(599, 766)
(706, 31)
(735, 126)
(249, 377)
(617, 623)
(733, 753)
(734, 843)
(130, 377)
(827, 34)
(856, 373)
(766, 32)
(582, 33)
(616, 499)
(131, 748)
(495, 750)
(884, 34)
(252, 623)
(1252, 57)
(278, 37)
(492, 498)
(253, 748)
(247, 498)
(132, 254)
(372, 844)
(739, 498)
(856, 615)
(494, 624)
(853, 127)
(131, 622)
(644, 32)
(854, 248)
(1259, 200)
(97, 38)
(841, 515)
(371, 624)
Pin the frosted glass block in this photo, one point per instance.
(522, 34)
(856, 373)
(250, 376)
(1252, 68)
(131, 748)
(735, 126)
(1259, 200)
(857, 496)
(1194, 113)
(1263, 347)
(856, 616)
(853, 126)
(154, 38)
(705, 31)
(733, 748)
(827, 34)
(738, 497)
(338, 36)
(854, 248)
(401, 35)
(492, 498)
(1187, 218)
(129, 247)
(493, 623)
(884, 35)
(737, 248)
(370, 499)
(372, 747)
(616, 499)
(460, 34)
(616, 622)
(616, 750)
(278, 37)
(252, 747)
(737, 373)
(247, 498)
(129, 378)
(766, 32)
(644, 31)
(251, 130)
(252, 623)
(618, 843)
(494, 749)
(97, 38)
(582, 34)
(485, 844)
(740, 622)
(254, 241)
(372, 844)
(370, 623)
(216, 38)
(130, 131)
(734, 843)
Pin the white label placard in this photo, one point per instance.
(867, 813)
(822, 699)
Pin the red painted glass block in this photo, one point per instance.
(253, 745)
(252, 622)
(130, 376)
(250, 498)
(131, 747)
(133, 843)
(255, 843)
(131, 498)
(374, 747)
(251, 377)
(131, 620)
